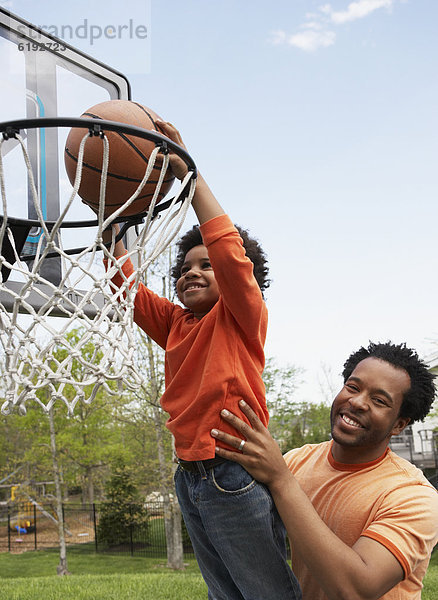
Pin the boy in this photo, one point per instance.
(214, 357)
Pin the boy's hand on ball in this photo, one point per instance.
(178, 166)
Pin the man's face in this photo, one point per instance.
(197, 288)
(365, 413)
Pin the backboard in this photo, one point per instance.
(42, 76)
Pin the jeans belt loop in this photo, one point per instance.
(201, 469)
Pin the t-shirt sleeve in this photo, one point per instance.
(152, 313)
(296, 456)
(407, 524)
(234, 274)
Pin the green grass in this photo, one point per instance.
(430, 591)
(153, 586)
(82, 561)
(31, 576)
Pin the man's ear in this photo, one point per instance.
(400, 425)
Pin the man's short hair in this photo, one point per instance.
(418, 400)
(253, 251)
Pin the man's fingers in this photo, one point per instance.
(247, 430)
(228, 454)
(237, 424)
(252, 417)
(230, 440)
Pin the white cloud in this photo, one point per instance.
(326, 9)
(312, 25)
(278, 37)
(311, 40)
(316, 33)
(358, 10)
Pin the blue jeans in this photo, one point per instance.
(237, 534)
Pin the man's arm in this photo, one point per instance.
(365, 571)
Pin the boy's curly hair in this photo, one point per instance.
(252, 247)
(419, 398)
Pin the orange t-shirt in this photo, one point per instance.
(388, 500)
(213, 362)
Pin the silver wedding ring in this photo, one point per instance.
(241, 445)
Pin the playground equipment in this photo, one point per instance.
(24, 521)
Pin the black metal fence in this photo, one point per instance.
(27, 526)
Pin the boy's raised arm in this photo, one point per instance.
(204, 203)
(119, 249)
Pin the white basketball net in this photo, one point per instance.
(44, 362)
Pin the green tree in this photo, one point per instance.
(88, 440)
(63, 447)
(123, 516)
(293, 423)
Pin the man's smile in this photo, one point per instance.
(350, 421)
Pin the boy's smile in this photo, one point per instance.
(197, 288)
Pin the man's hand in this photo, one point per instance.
(260, 455)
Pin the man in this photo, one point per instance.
(361, 520)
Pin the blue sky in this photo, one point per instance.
(315, 124)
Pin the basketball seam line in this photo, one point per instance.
(141, 107)
(126, 139)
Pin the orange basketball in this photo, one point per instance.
(128, 159)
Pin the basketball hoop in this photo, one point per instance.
(39, 352)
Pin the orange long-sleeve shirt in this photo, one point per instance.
(213, 362)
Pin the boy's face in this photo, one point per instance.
(197, 288)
